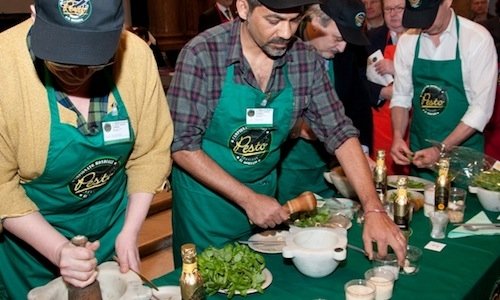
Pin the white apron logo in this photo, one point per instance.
(75, 11)
(250, 146)
(433, 100)
(93, 177)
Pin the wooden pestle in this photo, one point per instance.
(303, 202)
(90, 292)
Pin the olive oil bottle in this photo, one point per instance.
(190, 282)
(380, 176)
(443, 184)
(402, 206)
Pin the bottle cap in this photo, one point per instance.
(188, 251)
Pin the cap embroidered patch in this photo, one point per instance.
(415, 3)
(75, 11)
(359, 19)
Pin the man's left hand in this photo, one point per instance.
(379, 228)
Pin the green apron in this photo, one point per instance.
(248, 153)
(303, 164)
(439, 102)
(81, 191)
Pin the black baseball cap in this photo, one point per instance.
(420, 13)
(81, 32)
(286, 4)
(349, 15)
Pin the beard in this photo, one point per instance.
(276, 47)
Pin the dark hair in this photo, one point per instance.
(253, 4)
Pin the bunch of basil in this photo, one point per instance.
(235, 268)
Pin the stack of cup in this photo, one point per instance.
(388, 262)
(359, 289)
(383, 280)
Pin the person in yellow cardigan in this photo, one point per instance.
(85, 134)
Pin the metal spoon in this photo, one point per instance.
(143, 278)
(476, 228)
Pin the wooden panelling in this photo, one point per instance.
(174, 22)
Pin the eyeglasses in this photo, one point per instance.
(397, 9)
(68, 67)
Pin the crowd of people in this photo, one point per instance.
(268, 96)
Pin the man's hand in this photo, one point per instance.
(379, 228)
(265, 211)
(385, 66)
(400, 152)
(386, 92)
(426, 158)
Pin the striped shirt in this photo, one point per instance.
(199, 76)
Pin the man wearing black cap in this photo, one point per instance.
(237, 92)
(446, 74)
(329, 28)
(85, 134)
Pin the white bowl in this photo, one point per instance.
(337, 177)
(316, 251)
(114, 286)
(490, 200)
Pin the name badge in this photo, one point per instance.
(259, 117)
(116, 131)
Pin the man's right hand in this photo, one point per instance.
(400, 152)
(265, 211)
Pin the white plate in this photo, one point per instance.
(271, 236)
(392, 181)
(168, 292)
(339, 221)
(344, 206)
(267, 281)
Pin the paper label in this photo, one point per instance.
(435, 246)
(259, 116)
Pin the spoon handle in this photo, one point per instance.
(478, 224)
(476, 228)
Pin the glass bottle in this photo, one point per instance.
(380, 176)
(402, 206)
(190, 282)
(442, 191)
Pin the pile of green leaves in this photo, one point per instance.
(488, 180)
(316, 217)
(234, 268)
(412, 184)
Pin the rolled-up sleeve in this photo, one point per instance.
(403, 64)
(325, 112)
(480, 72)
(188, 97)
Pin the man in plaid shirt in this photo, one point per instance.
(237, 92)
